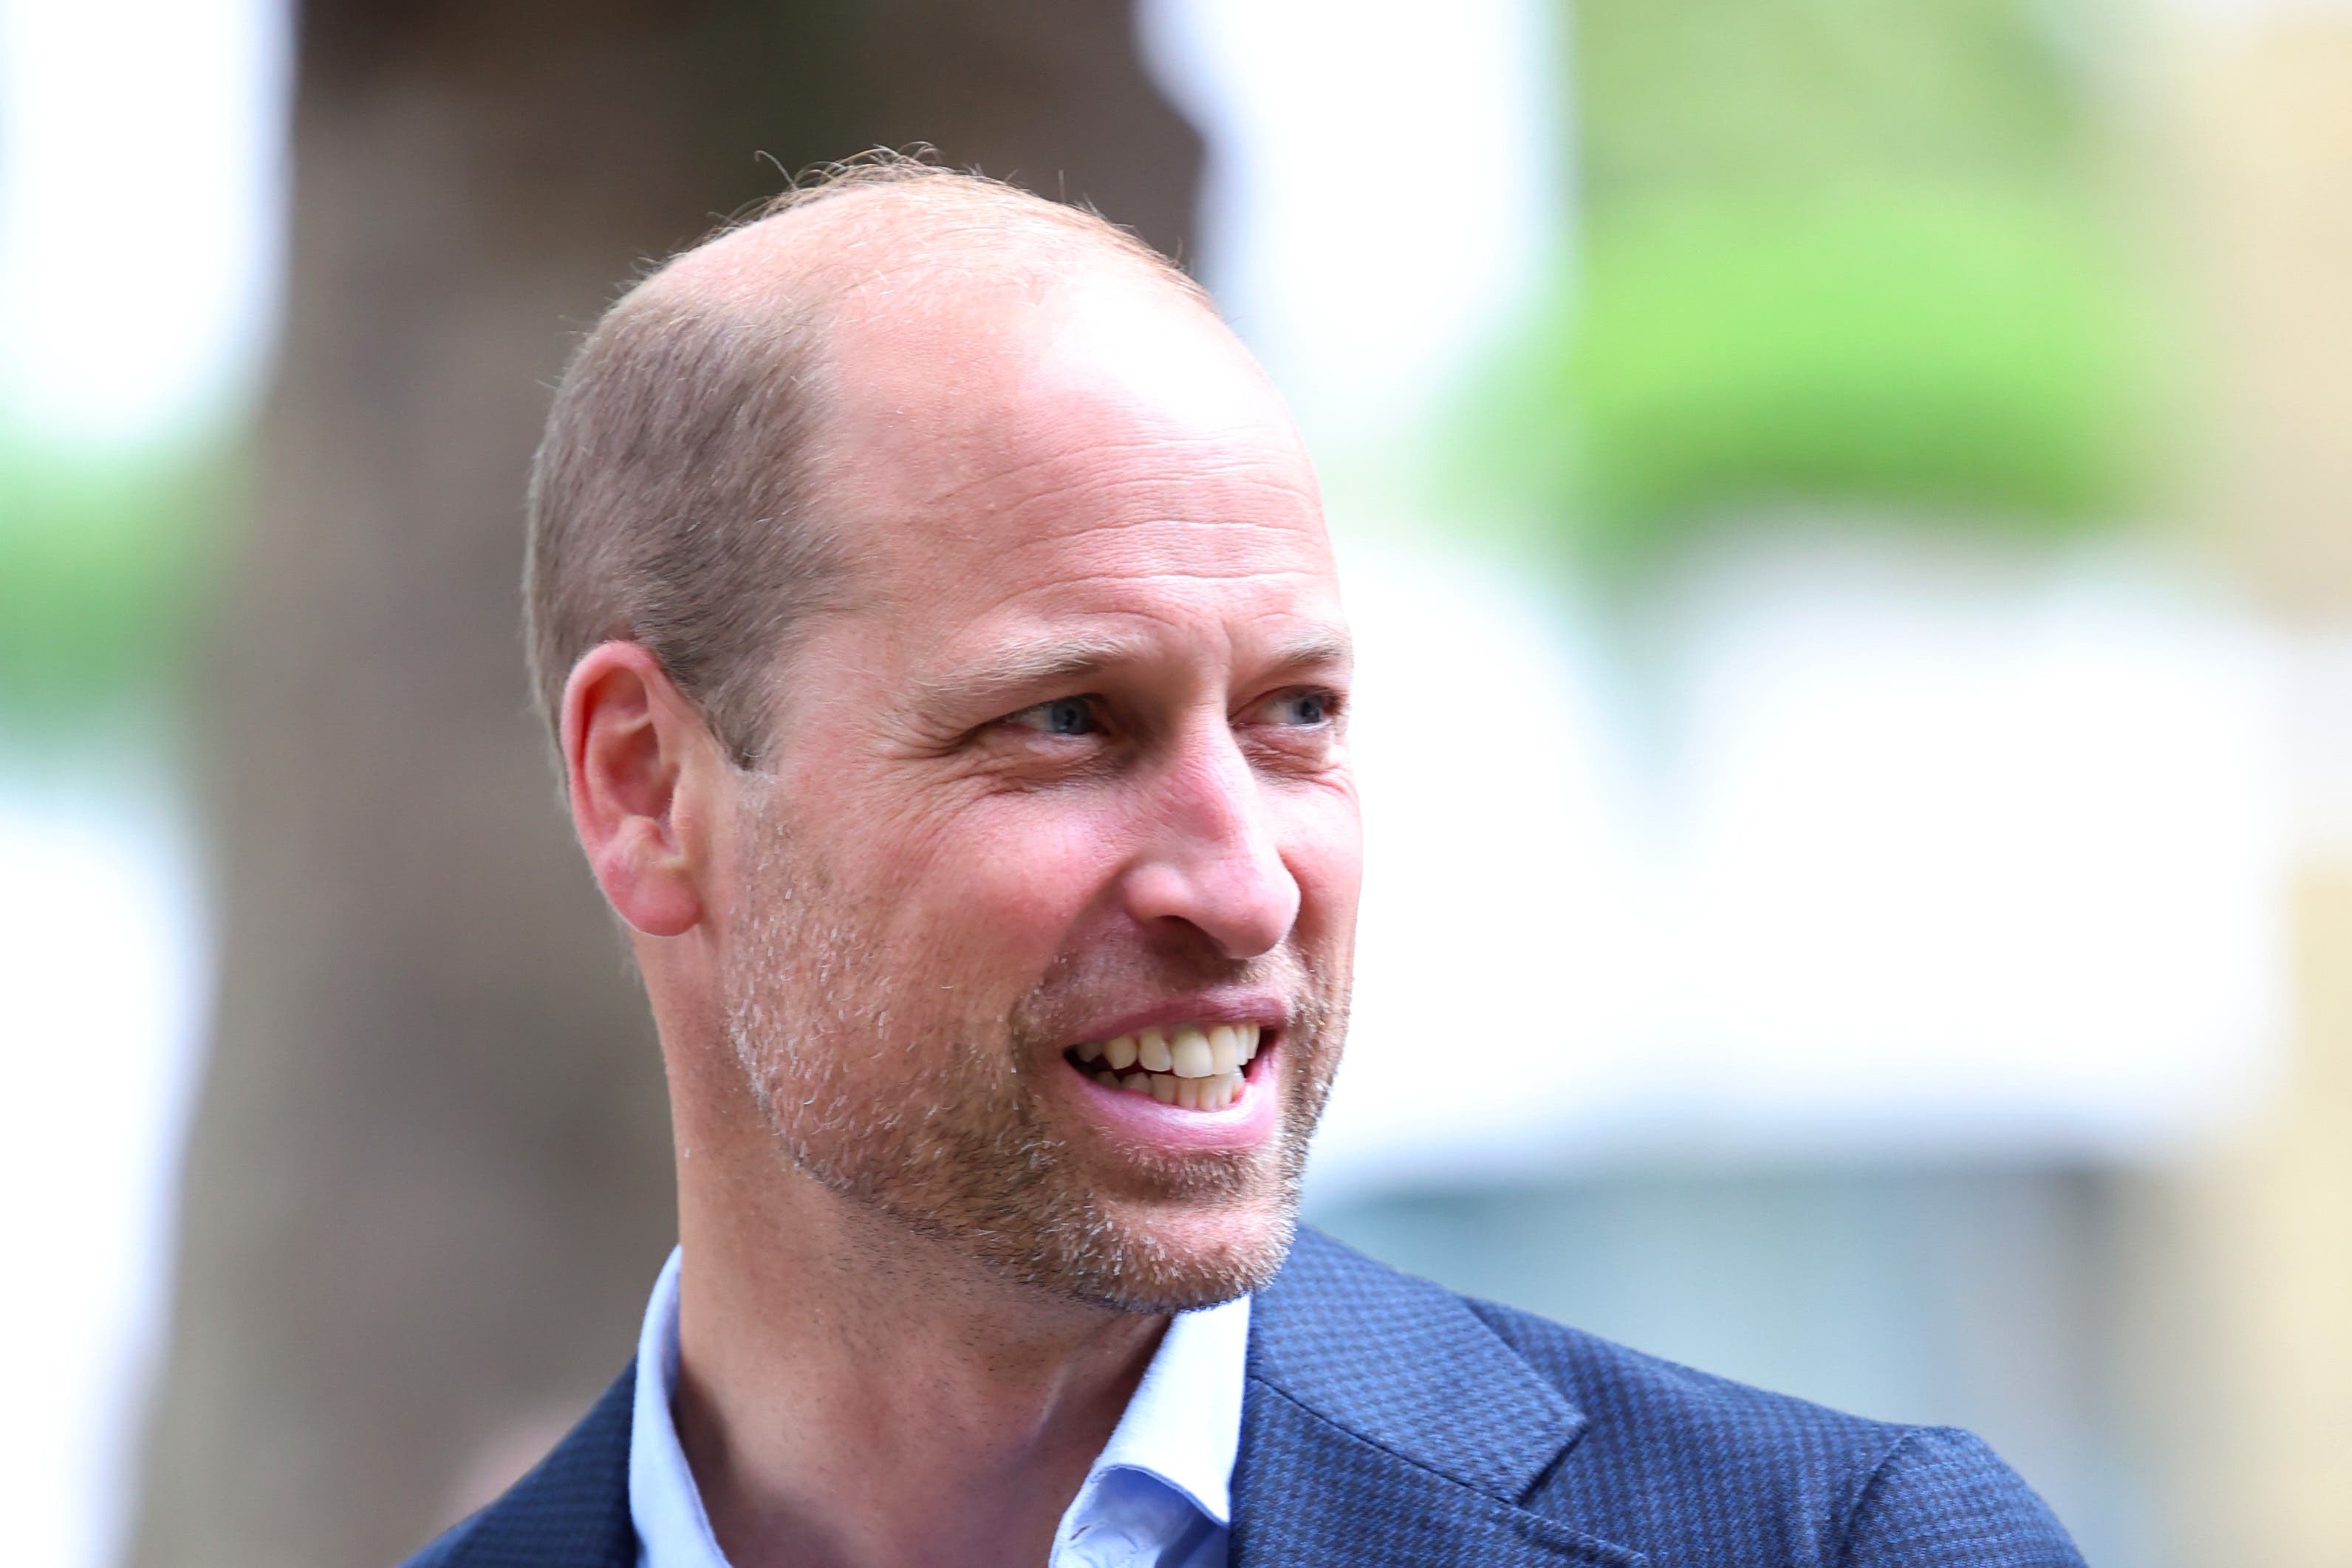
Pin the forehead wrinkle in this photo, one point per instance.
(969, 563)
(1127, 578)
(1241, 538)
(1104, 560)
(1129, 587)
(1185, 460)
(993, 390)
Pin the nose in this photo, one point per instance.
(1214, 861)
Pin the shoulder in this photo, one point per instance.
(1677, 1465)
(573, 1509)
(1663, 1439)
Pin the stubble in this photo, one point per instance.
(880, 1080)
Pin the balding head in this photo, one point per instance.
(678, 499)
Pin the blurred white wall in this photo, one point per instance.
(1384, 184)
(104, 938)
(1899, 856)
(142, 153)
(1871, 847)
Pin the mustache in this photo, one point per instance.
(1087, 983)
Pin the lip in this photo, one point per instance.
(1207, 1008)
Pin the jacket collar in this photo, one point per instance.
(570, 1511)
(1386, 1424)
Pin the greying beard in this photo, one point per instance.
(964, 1155)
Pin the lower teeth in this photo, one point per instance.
(1212, 1094)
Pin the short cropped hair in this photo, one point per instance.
(671, 502)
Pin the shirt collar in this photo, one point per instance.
(1181, 1428)
(665, 1505)
(1184, 1425)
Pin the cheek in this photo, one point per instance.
(1000, 883)
(1323, 838)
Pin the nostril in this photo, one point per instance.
(1239, 893)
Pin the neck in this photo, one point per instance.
(852, 1393)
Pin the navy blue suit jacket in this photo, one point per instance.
(1388, 1421)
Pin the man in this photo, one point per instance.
(933, 605)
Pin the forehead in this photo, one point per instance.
(1039, 446)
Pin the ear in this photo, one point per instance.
(641, 768)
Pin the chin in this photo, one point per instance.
(1162, 1258)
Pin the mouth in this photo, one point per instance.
(1193, 1066)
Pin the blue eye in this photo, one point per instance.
(1063, 716)
(1307, 708)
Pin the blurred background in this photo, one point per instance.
(1847, 506)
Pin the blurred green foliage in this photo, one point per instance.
(1842, 251)
(1785, 96)
(105, 560)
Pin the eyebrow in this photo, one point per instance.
(1046, 664)
(1312, 649)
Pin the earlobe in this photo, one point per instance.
(632, 746)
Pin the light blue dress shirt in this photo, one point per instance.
(1159, 1495)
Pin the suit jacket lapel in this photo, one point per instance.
(570, 1511)
(1384, 1423)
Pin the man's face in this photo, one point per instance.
(1064, 784)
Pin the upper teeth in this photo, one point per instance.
(1188, 1051)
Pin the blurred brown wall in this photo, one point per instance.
(428, 1185)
